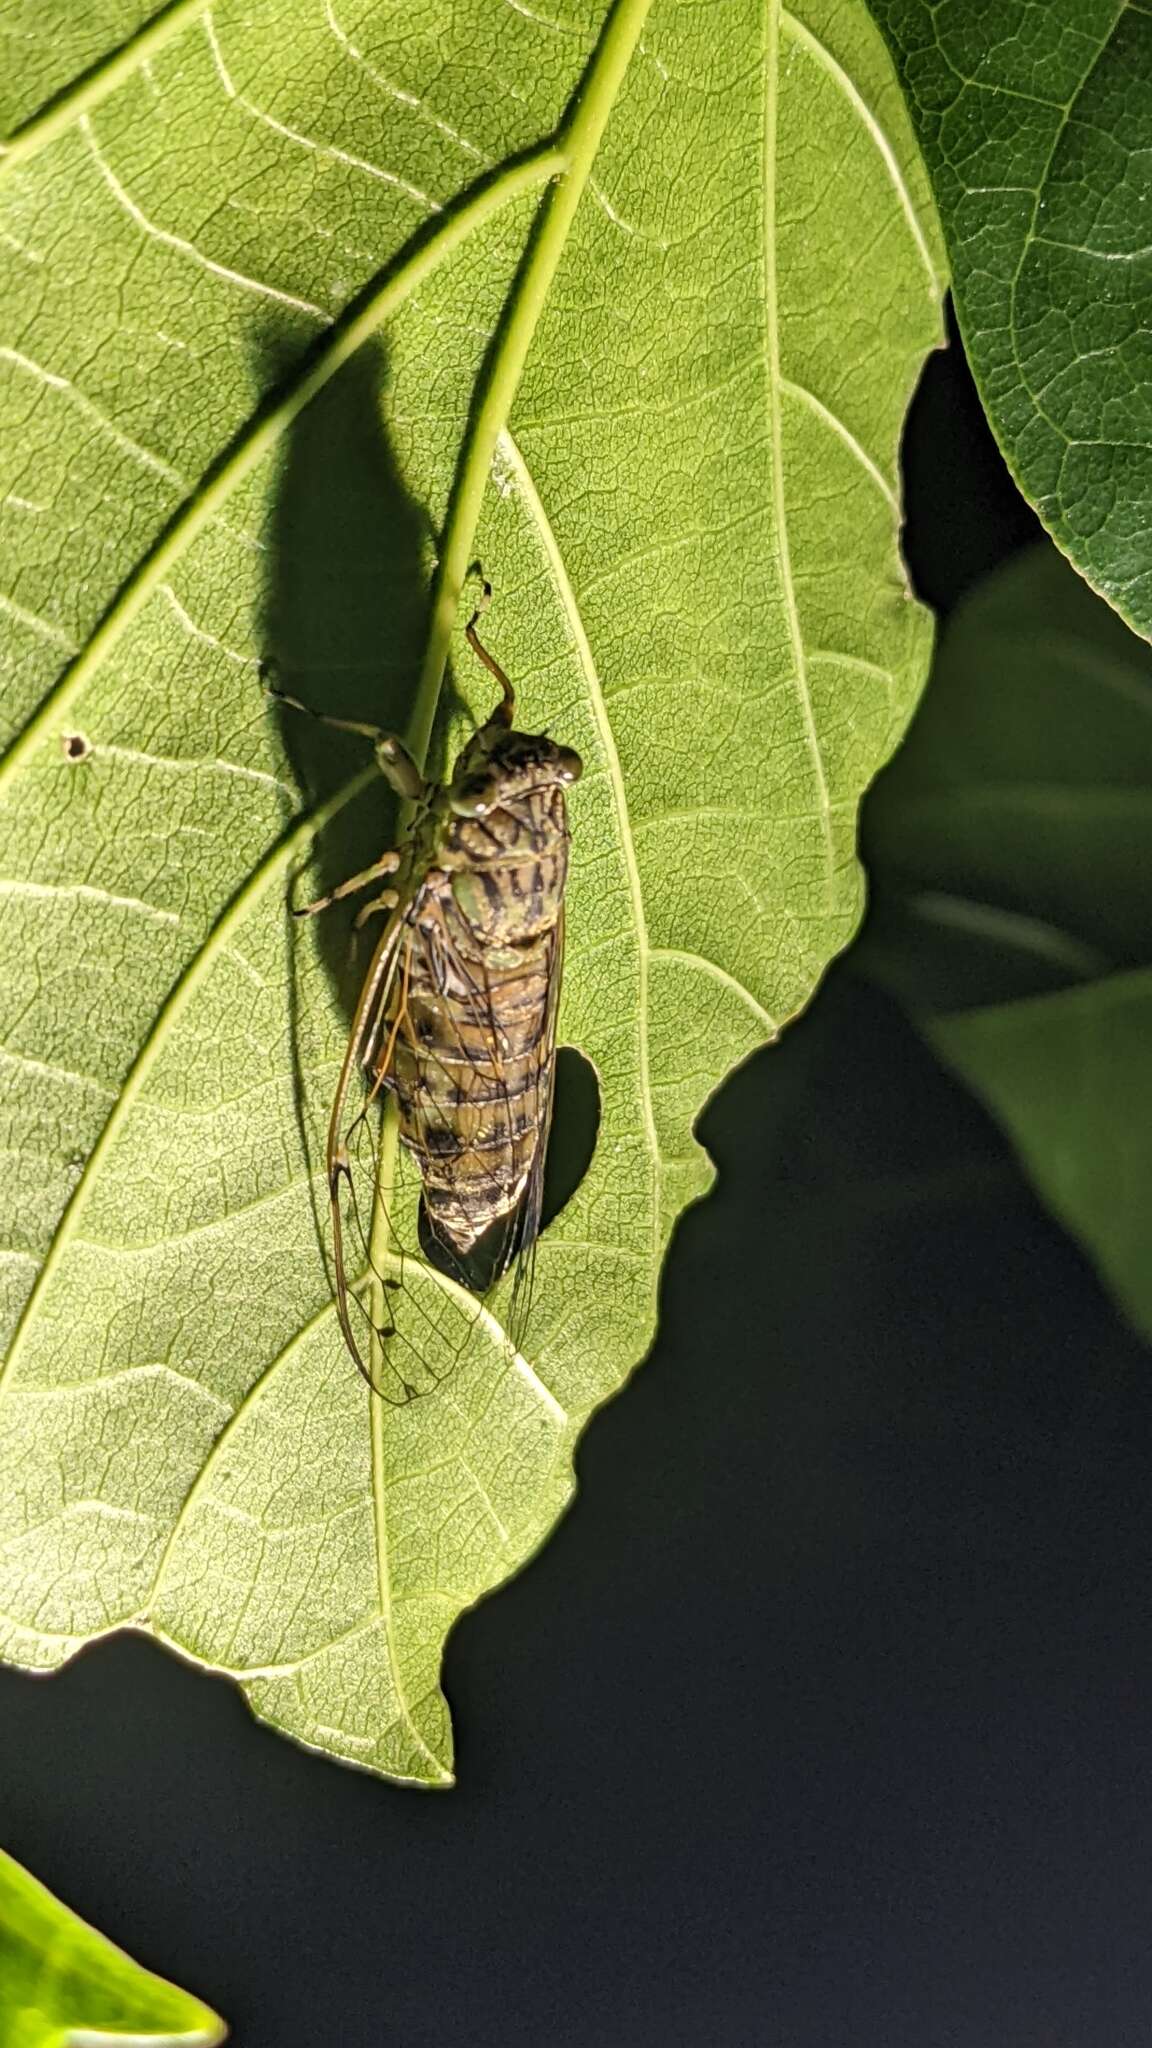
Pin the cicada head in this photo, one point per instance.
(498, 767)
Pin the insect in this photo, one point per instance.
(456, 1021)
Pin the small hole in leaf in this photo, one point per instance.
(75, 747)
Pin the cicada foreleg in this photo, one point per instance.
(505, 710)
(392, 757)
(400, 771)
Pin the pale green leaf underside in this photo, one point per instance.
(692, 527)
(63, 1985)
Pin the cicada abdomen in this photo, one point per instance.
(457, 1024)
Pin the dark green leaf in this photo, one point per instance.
(1034, 117)
(1011, 845)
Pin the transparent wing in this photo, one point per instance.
(412, 1306)
(352, 1131)
(417, 1304)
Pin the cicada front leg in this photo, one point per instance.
(400, 771)
(392, 757)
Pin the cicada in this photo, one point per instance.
(456, 1020)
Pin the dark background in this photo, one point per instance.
(823, 1718)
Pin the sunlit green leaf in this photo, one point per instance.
(62, 1984)
(691, 522)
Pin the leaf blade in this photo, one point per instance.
(60, 1981)
(730, 695)
(1032, 123)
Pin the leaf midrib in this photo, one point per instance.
(772, 383)
(579, 142)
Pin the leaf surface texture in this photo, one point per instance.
(692, 525)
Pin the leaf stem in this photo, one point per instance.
(577, 142)
(261, 433)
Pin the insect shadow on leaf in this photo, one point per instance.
(343, 627)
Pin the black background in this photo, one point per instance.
(823, 1718)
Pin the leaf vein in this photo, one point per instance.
(406, 99)
(324, 149)
(773, 380)
(830, 419)
(697, 962)
(181, 243)
(851, 91)
(85, 892)
(599, 708)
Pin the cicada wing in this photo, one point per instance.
(395, 1307)
(435, 1306)
(465, 1064)
(509, 1243)
(347, 1125)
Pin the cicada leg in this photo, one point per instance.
(505, 710)
(392, 757)
(386, 865)
(387, 900)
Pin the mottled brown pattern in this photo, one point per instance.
(467, 1042)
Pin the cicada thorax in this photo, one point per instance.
(469, 1047)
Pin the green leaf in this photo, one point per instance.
(1011, 844)
(1034, 118)
(1069, 1076)
(661, 396)
(62, 1983)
